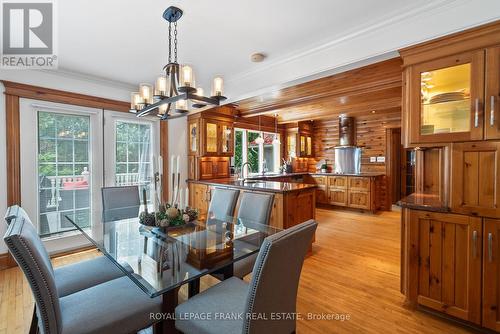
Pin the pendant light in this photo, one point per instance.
(259, 140)
(276, 139)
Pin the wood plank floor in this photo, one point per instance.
(354, 271)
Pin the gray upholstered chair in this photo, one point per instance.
(74, 277)
(223, 203)
(120, 202)
(254, 208)
(116, 306)
(272, 290)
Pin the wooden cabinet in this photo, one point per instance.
(337, 182)
(445, 263)
(199, 198)
(451, 88)
(210, 143)
(446, 99)
(212, 168)
(337, 196)
(357, 192)
(475, 173)
(492, 94)
(299, 140)
(322, 189)
(359, 199)
(491, 274)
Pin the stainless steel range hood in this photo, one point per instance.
(347, 154)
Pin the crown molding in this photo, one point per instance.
(66, 73)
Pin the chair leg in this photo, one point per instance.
(34, 322)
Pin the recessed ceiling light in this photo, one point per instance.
(373, 111)
(257, 57)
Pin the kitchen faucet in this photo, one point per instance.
(243, 170)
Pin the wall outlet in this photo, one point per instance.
(373, 159)
(380, 159)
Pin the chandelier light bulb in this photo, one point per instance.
(161, 86)
(146, 91)
(187, 76)
(218, 86)
(135, 101)
(181, 105)
(199, 91)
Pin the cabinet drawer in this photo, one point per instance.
(319, 180)
(359, 183)
(337, 181)
(337, 196)
(358, 199)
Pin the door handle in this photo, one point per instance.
(492, 110)
(474, 244)
(476, 113)
(490, 247)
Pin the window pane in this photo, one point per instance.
(238, 148)
(63, 169)
(253, 151)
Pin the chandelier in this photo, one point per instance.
(175, 88)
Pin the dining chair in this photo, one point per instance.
(74, 277)
(120, 202)
(254, 208)
(271, 291)
(115, 306)
(223, 203)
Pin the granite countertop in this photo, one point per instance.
(270, 186)
(425, 202)
(366, 174)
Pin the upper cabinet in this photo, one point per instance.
(299, 140)
(210, 135)
(492, 93)
(451, 88)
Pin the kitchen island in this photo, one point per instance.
(293, 204)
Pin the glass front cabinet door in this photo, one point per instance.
(447, 99)
(227, 139)
(193, 137)
(492, 94)
(211, 138)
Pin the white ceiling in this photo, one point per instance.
(126, 41)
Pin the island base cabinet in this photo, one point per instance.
(199, 198)
(444, 263)
(491, 274)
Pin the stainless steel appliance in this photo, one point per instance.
(347, 160)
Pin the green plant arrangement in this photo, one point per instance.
(168, 216)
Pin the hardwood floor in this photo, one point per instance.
(354, 271)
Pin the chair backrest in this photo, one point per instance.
(256, 207)
(275, 279)
(12, 212)
(30, 254)
(120, 202)
(223, 203)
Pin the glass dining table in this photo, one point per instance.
(159, 260)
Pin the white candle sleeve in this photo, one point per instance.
(187, 197)
(172, 164)
(178, 164)
(160, 165)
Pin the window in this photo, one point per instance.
(261, 157)
(134, 155)
(63, 170)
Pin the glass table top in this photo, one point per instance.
(160, 259)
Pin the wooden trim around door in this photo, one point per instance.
(60, 96)
(13, 145)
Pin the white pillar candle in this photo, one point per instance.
(175, 196)
(160, 165)
(181, 199)
(187, 197)
(178, 164)
(172, 161)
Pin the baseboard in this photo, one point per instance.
(7, 261)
